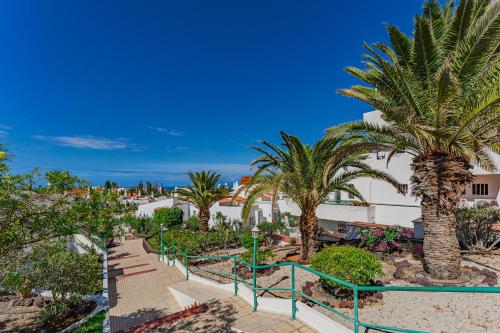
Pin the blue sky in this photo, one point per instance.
(131, 90)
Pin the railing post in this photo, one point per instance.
(294, 309)
(254, 264)
(356, 318)
(187, 268)
(235, 277)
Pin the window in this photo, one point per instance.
(342, 227)
(404, 188)
(351, 196)
(480, 189)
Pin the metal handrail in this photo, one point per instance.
(173, 250)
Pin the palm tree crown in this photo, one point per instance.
(438, 92)
(203, 193)
(307, 174)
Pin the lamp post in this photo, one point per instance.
(255, 234)
(161, 242)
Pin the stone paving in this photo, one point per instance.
(139, 298)
(139, 292)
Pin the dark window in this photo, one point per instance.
(480, 189)
(404, 188)
(351, 196)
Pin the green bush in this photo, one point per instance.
(67, 273)
(262, 255)
(54, 311)
(142, 225)
(347, 263)
(247, 240)
(18, 283)
(170, 217)
(193, 223)
(194, 242)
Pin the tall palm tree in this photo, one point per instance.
(203, 193)
(438, 91)
(307, 174)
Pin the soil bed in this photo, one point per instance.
(24, 319)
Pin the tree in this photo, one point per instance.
(438, 92)
(107, 185)
(149, 188)
(203, 193)
(170, 217)
(307, 174)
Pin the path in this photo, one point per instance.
(140, 293)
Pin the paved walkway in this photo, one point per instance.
(139, 293)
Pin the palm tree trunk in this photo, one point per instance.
(308, 225)
(439, 180)
(204, 216)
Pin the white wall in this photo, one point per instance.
(148, 209)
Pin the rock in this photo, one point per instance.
(423, 281)
(28, 302)
(489, 274)
(346, 304)
(489, 282)
(399, 274)
(39, 302)
(309, 284)
(13, 302)
(403, 264)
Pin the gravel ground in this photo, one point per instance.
(433, 312)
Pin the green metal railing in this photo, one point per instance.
(172, 252)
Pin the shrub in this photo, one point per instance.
(270, 229)
(247, 240)
(142, 225)
(247, 243)
(384, 239)
(474, 228)
(68, 273)
(18, 283)
(193, 242)
(170, 217)
(54, 311)
(347, 263)
(262, 255)
(193, 223)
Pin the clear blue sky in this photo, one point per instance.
(131, 90)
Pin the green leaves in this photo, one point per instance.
(204, 190)
(347, 263)
(440, 92)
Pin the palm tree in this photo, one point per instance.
(438, 92)
(307, 174)
(203, 193)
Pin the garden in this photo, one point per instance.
(388, 256)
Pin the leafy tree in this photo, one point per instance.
(149, 188)
(169, 217)
(438, 91)
(307, 174)
(99, 215)
(203, 193)
(107, 185)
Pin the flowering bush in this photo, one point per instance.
(384, 239)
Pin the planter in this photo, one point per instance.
(148, 248)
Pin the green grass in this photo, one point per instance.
(93, 325)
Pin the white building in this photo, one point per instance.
(384, 205)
